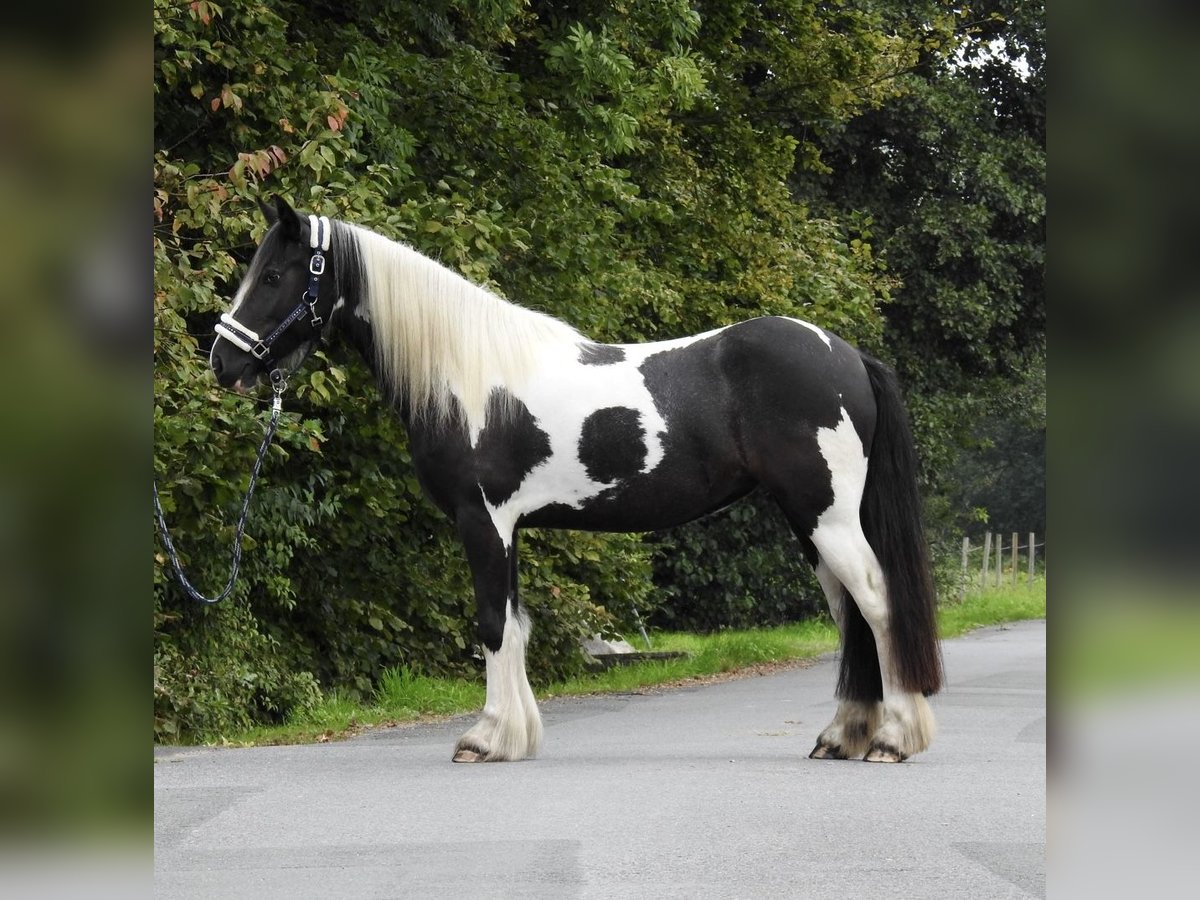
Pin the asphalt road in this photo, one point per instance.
(698, 792)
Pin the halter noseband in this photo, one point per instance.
(320, 232)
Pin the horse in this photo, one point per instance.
(516, 419)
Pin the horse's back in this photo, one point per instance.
(791, 373)
(761, 376)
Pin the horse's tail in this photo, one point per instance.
(892, 522)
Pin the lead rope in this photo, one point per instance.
(278, 383)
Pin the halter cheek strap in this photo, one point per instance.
(320, 233)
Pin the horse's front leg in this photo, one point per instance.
(511, 726)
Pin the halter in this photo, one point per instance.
(238, 334)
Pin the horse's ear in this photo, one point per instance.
(267, 210)
(285, 215)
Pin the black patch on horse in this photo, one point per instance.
(752, 397)
(510, 446)
(600, 354)
(612, 446)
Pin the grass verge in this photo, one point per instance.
(405, 696)
(994, 606)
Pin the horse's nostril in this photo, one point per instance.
(217, 365)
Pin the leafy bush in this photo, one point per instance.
(739, 568)
(216, 671)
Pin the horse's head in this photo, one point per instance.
(282, 304)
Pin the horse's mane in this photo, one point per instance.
(443, 344)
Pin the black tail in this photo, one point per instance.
(892, 522)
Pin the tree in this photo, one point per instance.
(947, 180)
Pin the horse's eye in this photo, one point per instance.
(272, 277)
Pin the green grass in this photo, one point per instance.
(405, 696)
(402, 696)
(994, 606)
(708, 654)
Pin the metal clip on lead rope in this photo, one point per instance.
(278, 385)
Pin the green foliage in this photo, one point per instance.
(947, 178)
(244, 677)
(738, 568)
(628, 166)
(1001, 484)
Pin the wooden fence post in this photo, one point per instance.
(999, 557)
(1015, 543)
(1032, 553)
(987, 556)
(966, 558)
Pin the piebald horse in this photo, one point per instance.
(516, 419)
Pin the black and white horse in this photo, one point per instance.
(516, 419)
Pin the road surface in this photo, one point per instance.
(702, 791)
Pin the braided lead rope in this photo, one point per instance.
(277, 385)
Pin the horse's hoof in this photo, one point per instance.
(468, 756)
(884, 754)
(827, 751)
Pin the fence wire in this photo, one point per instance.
(998, 565)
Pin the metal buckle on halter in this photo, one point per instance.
(260, 351)
(316, 268)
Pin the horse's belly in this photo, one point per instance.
(635, 510)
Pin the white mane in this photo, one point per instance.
(440, 339)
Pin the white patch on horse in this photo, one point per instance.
(838, 535)
(240, 297)
(560, 401)
(504, 519)
(906, 722)
(847, 462)
(819, 332)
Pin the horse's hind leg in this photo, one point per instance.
(511, 726)
(906, 724)
(858, 712)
